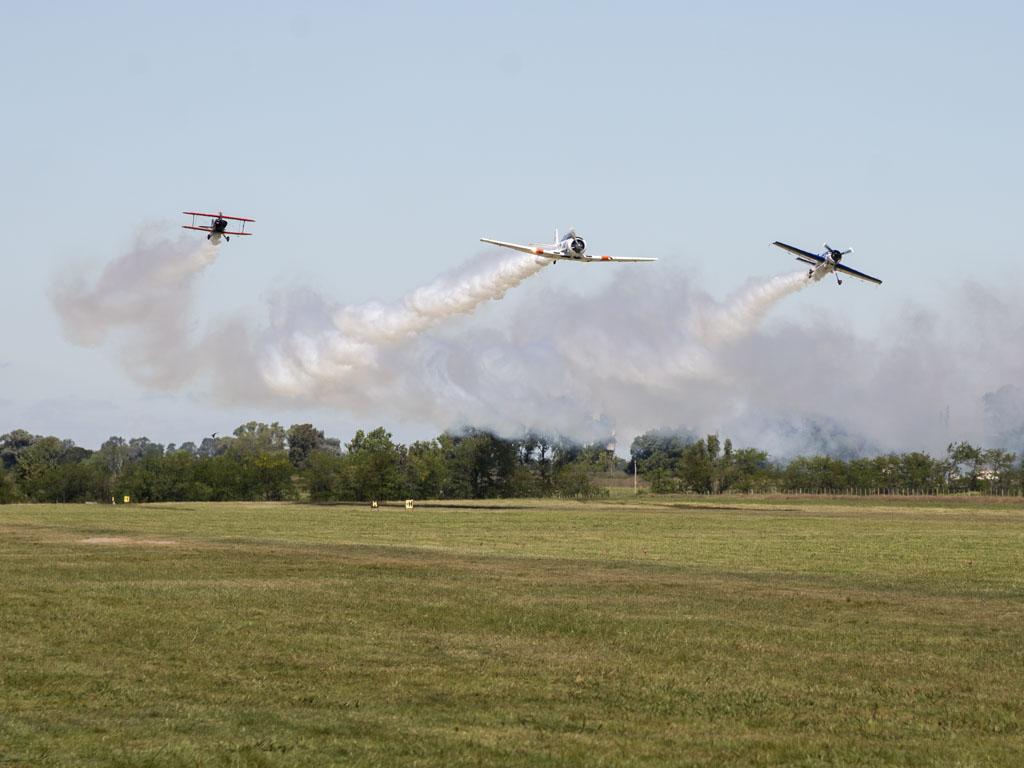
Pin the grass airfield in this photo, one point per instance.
(634, 631)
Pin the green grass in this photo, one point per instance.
(635, 631)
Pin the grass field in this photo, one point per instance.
(737, 631)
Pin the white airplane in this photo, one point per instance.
(826, 262)
(571, 247)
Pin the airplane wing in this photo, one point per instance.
(804, 256)
(534, 249)
(215, 215)
(855, 273)
(210, 229)
(616, 258)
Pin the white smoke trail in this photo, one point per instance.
(432, 304)
(147, 293)
(745, 310)
(301, 364)
(674, 334)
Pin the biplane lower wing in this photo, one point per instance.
(211, 229)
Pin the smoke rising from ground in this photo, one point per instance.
(646, 351)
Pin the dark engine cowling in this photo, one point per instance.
(577, 246)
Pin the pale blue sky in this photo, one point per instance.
(374, 143)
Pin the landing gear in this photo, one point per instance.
(207, 237)
(229, 240)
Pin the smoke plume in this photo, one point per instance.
(312, 364)
(148, 295)
(649, 350)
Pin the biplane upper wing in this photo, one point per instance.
(805, 256)
(216, 215)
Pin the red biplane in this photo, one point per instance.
(218, 225)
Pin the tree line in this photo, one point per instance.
(676, 463)
(266, 462)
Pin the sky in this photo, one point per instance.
(375, 143)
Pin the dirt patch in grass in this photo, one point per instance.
(123, 540)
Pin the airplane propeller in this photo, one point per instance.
(577, 243)
(837, 255)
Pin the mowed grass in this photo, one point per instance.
(740, 631)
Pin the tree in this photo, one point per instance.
(816, 474)
(377, 466)
(303, 439)
(707, 466)
(751, 470)
(657, 450)
(214, 446)
(963, 465)
(40, 456)
(327, 477)
(12, 444)
(139, 447)
(429, 473)
(662, 481)
(162, 478)
(267, 477)
(256, 437)
(997, 469)
(573, 481)
(483, 465)
(8, 490)
(916, 471)
(113, 454)
(70, 483)
(697, 466)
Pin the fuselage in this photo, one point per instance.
(832, 258)
(569, 247)
(218, 226)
